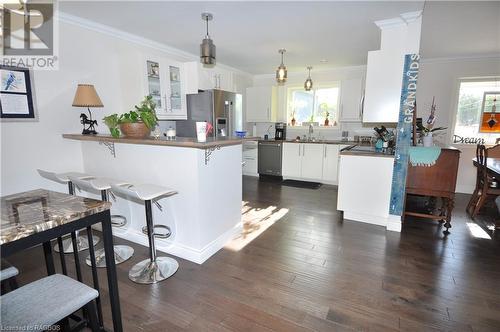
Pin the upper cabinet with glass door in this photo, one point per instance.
(164, 82)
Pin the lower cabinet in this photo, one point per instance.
(291, 164)
(250, 156)
(311, 161)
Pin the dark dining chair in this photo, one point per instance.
(486, 185)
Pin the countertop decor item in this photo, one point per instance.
(137, 123)
(86, 96)
(308, 84)
(428, 130)
(240, 134)
(281, 72)
(207, 46)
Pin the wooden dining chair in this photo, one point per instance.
(488, 185)
(479, 179)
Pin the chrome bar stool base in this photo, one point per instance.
(151, 272)
(82, 243)
(122, 254)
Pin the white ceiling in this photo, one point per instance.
(249, 34)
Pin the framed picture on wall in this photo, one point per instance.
(490, 118)
(16, 97)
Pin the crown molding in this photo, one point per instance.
(489, 56)
(138, 40)
(403, 20)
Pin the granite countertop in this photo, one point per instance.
(339, 142)
(186, 142)
(365, 150)
(38, 210)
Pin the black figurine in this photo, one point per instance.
(85, 121)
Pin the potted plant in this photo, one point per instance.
(428, 130)
(137, 123)
(324, 107)
(292, 122)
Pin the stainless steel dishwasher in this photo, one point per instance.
(269, 157)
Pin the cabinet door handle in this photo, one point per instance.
(299, 150)
(361, 106)
(324, 149)
(303, 150)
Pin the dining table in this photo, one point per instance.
(39, 216)
(492, 166)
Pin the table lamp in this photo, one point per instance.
(86, 96)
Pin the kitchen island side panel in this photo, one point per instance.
(179, 168)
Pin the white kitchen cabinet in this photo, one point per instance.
(200, 77)
(250, 155)
(164, 81)
(365, 188)
(291, 161)
(351, 92)
(331, 160)
(384, 77)
(261, 104)
(312, 161)
(330, 163)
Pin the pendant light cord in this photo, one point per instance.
(208, 36)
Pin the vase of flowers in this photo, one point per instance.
(428, 130)
(292, 122)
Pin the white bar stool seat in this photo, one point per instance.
(154, 269)
(103, 185)
(64, 178)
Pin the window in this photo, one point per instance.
(477, 117)
(313, 106)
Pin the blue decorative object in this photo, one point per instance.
(240, 134)
(404, 132)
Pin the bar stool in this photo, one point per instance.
(154, 269)
(43, 303)
(81, 241)
(103, 185)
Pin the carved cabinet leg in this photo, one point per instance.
(450, 205)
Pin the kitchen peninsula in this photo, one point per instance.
(205, 213)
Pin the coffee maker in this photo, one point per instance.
(280, 134)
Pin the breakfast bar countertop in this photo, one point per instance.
(185, 142)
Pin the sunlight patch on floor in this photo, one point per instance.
(477, 231)
(254, 222)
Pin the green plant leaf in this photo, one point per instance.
(115, 132)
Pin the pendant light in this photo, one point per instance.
(308, 84)
(281, 71)
(207, 47)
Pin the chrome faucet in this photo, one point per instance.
(311, 131)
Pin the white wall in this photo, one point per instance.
(439, 78)
(113, 64)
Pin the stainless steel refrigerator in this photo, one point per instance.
(222, 109)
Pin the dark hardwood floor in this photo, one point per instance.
(309, 270)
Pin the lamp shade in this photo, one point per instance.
(86, 96)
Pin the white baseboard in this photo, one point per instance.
(394, 223)
(191, 254)
(464, 188)
(391, 223)
(365, 218)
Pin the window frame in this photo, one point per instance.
(321, 85)
(455, 101)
